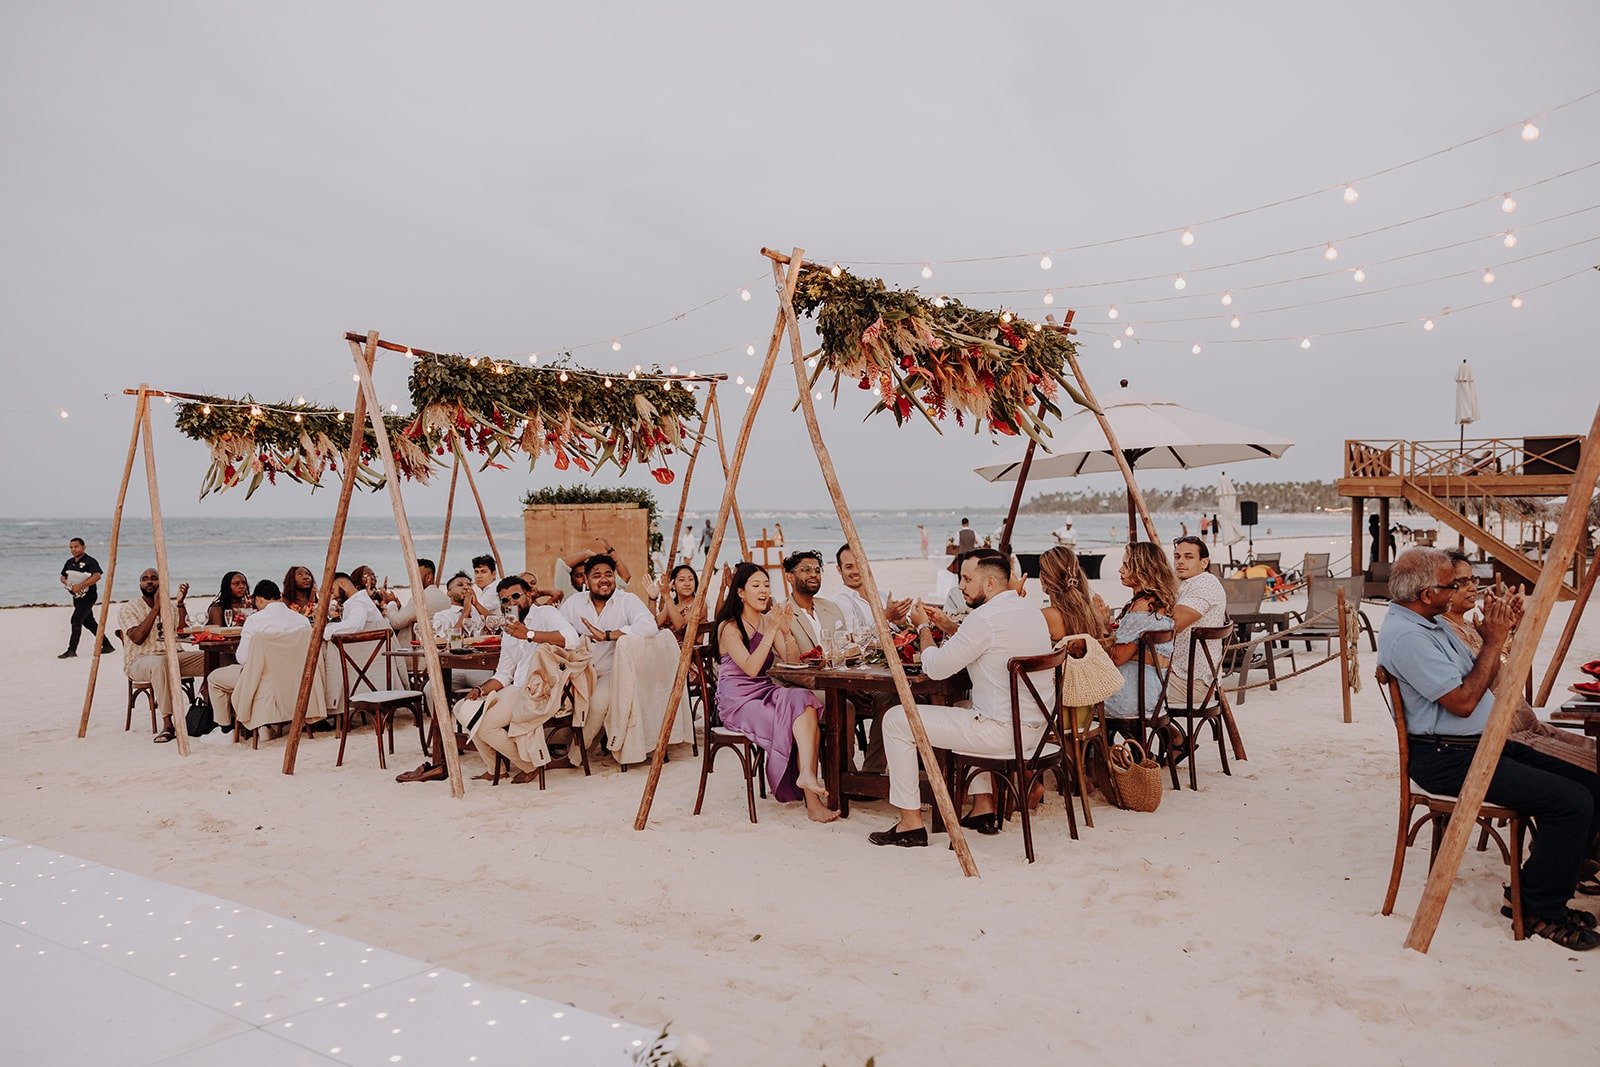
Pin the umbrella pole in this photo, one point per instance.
(1135, 498)
(1022, 480)
(1133, 523)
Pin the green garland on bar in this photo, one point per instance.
(252, 442)
(589, 419)
(937, 358)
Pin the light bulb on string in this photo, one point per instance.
(533, 360)
(749, 350)
(410, 354)
(394, 409)
(1005, 317)
(473, 362)
(167, 398)
(1507, 204)
(1117, 343)
(341, 416)
(1330, 253)
(608, 383)
(927, 270)
(1188, 237)
(205, 409)
(672, 369)
(1305, 342)
(750, 390)
(638, 368)
(1488, 276)
(562, 376)
(297, 417)
(1196, 349)
(1179, 284)
(1510, 240)
(616, 346)
(1350, 194)
(1045, 262)
(1038, 327)
(1530, 132)
(739, 380)
(1227, 299)
(1112, 312)
(1359, 274)
(299, 400)
(744, 294)
(819, 396)
(836, 270)
(63, 412)
(632, 375)
(1128, 332)
(1427, 324)
(1516, 302)
(1049, 296)
(1234, 322)
(938, 301)
(255, 412)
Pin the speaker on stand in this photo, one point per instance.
(1248, 519)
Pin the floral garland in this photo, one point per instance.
(259, 442)
(587, 418)
(937, 357)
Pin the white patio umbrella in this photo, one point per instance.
(1466, 401)
(1154, 433)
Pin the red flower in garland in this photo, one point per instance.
(902, 405)
(562, 462)
(664, 475)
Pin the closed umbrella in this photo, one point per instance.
(1228, 512)
(1466, 401)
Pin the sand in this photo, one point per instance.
(1239, 922)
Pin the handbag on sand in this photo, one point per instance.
(1134, 777)
(1088, 679)
(200, 719)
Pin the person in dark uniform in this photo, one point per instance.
(80, 574)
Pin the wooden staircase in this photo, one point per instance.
(1513, 558)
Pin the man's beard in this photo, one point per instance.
(522, 611)
(976, 600)
(808, 586)
(596, 598)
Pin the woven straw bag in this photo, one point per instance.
(1135, 778)
(1087, 679)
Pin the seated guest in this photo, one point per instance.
(604, 614)
(485, 575)
(1002, 626)
(404, 618)
(144, 646)
(1201, 602)
(814, 616)
(1447, 693)
(275, 617)
(751, 633)
(852, 605)
(550, 597)
(1155, 594)
(260, 597)
(1526, 727)
(464, 616)
(682, 584)
(359, 612)
(233, 600)
(529, 625)
(300, 591)
(570, 567)
(1071, 611)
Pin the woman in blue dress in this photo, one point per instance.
(782, 721)
(1145, 570)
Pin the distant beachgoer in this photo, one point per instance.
(1374, 532)
(1183, 529)
(950, 548)
(966, 537)
(777, 531)
(1205, 525)
(85, 572)
(922, 535)
(1065, 536)
(705, 538)
(1214, 525)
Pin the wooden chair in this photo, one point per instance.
(380, 704)
(1152, 727)
(1436, 813)
(1015, 775)
(1322, 604)
(146, 690)
(752, 760)
(1208, 712)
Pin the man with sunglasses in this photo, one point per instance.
(1201, 602)
(813, 615)
(1447, 693)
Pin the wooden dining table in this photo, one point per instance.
(1582, 714)
(838, 719)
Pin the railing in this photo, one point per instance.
(1426, 462)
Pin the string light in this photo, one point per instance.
(608, 383)
(394, 409)
(1188, 237)
(1117, 343)
(255, 412)
(1128, 332)
(1179, 284)
(1049, 296)
(533, 360)
(341, 416)
(1330, 253)
(205, 409)
(1530, 132)
(1488, 276)
(739, 380)
(1516, 302)
(616, 345)
(1305, 342)
(749, 390)
(1045, 262)
(1234, 322)
(1350, 194)
(927, 270)
(1507, 204)
(1005, 317)
(410, 354)
(297, 417)
(168, 399)
(1360, 274)
(472, 362)
(632, 375)
(300, 399)
(1510, 239)
(744, 294)
(1196, 349)
(749, 350)
(672, 369)
(1111, 312)
(836, 270)
(938, 301)
(562, 376)
(1427, 324)
(1227, 298)
(63, 413)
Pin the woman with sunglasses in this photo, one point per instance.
(1145, 570)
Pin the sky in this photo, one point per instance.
(205, 197)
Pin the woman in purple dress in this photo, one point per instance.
(782, 721)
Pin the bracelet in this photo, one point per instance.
(925, 626)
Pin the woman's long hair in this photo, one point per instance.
(225, 597)
(732, 609)
(1152, 574)
(673, 577)
(1063, 580)
(291, 593)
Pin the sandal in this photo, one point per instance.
(1566, 934)
(164, 736)
(1583, 919)
(1590, 886)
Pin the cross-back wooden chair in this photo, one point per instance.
(1152, 726)
(1207, 711)
(752, 760)
(357, 666)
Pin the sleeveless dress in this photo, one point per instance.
(1124, 704)
(765, 712)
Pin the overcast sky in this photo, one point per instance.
(206, 196)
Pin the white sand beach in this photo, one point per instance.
(1239, 923)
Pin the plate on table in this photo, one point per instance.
(484, 642)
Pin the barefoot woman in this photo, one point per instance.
(782, 721)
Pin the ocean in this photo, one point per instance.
(201, 550)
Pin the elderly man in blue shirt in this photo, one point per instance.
(1448, 697)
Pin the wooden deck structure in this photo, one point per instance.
(1474, 487)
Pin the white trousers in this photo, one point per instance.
(152, 670)
(957, 729)
(221, 683)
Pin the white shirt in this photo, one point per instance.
(1067, 536)
(1004, 627)
(855, 609)
(444, 622)
(623, 612)
(360, 614)
(276, 618)
(1203, 593)
(399, 617)
(516, 657)
(543, 619)
(489, 598)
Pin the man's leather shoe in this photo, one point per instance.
(984, 824)
(425, 773)
(917, 838)
(68, 654)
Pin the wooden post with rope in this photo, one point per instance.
(1507, 695)
(1344, 653)
(169, 617)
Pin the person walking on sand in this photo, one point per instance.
(966, 537)
(922, 535)
(80, 574)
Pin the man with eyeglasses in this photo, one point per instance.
(1447, 693)
(813, 615)
(1201, 602)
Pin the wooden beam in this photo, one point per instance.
(683, 496)
(483, 516)
(738, 520)
(1344, 652)
(141, 412)
(169, 617)
(936, 782)
(1585, 589)
(1507, 695)
(394, 346)
(449, 509)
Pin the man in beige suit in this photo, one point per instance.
(813, 615)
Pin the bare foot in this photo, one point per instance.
(486, 776)
(524, 777)
(818, 811)
(1035, 796)
(812, 787)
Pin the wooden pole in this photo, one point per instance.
(430, 651)
(1358, 507)
(1022, 480)
(483, 516)
(449, 509)
(319, 618)
(169, 617)
(1344, 655)
(1567, 632)
(1136, 498)
(141, 412)
(1469, 800)
(738, 520)
(688, 475)
(941, 794)
(697, 609)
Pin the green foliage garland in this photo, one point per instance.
(299, 441)
(589, 419)
(936, 358)
(583, 494)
